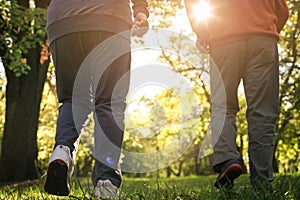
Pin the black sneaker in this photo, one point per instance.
(57, 181)
(230, 171)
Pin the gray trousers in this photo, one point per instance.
(255, 62)
(69, 52)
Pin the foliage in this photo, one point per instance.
(21, 30)
(178, 112)
(162, 12)
(288, 137)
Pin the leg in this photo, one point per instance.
(261, 80)
(225, 79)
(68, 53)
(110, 97)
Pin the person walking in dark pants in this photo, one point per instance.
(241, 38)
(75, 28)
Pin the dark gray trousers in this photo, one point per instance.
(106, 102)
(255, 62)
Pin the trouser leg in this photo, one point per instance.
(225, 78)
(261, 82)
(68, 54)
(110, 104)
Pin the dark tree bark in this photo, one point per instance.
(23, 97)
(24, 3)
(42, 3)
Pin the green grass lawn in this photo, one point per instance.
(184, 188)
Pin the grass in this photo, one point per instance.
(183, 188)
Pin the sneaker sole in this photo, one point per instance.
(56, 181)
(231, 173)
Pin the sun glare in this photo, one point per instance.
(202, 11)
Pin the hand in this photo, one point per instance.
(140, 24)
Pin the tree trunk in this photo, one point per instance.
(42, 3)
(19, 143)
(23, 98)
(169, 172)
(197, 166)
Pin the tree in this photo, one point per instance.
(24, 56)
(288, 137)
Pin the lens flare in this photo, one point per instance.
(202, 11)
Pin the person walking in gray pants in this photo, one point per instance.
(241, 37)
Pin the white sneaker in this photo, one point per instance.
(63, 153)
(105, 189)
(59, 171)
